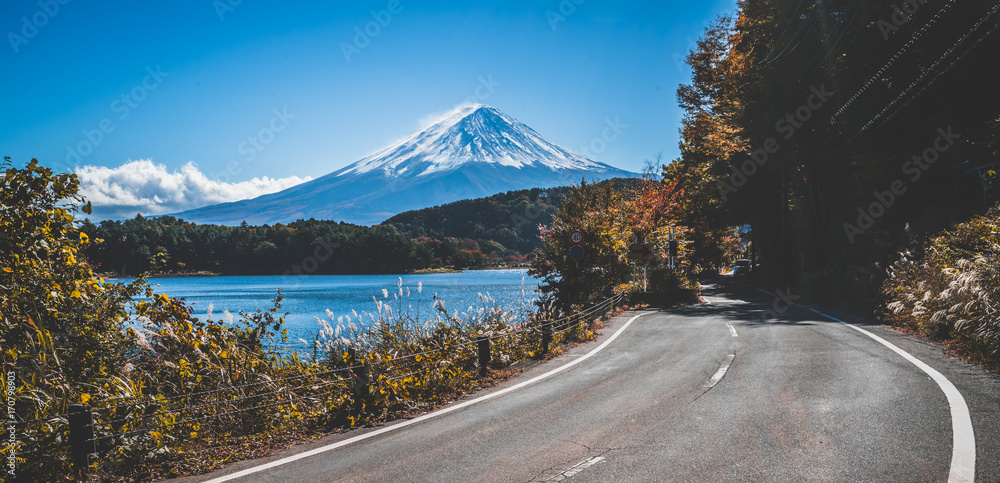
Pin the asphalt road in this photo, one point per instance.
(676, 396)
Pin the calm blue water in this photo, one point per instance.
(309, 296)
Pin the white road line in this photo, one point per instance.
(706, 300)
(573, 470)
(963, 452)
(377, 432)
(721, 372)
(732, 330)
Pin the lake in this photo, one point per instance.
(310, 296)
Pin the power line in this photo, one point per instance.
(839, 38)
(796, 46)
(943, 58)
(916, 36)
(829, 34)
(783, 32)
(929, 71)
(943, 71)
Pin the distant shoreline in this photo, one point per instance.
(204, 273)
(422, 271)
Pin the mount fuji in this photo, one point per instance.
(475, 151)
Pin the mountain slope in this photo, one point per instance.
(511, 219)
(473, 152)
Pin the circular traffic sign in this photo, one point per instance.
(576, 237)
(576, 252)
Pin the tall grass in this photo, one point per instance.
(192, 395)
(950, 290)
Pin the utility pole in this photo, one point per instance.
(784, 249)
(671, 248)
(644, 265)
(634, 267)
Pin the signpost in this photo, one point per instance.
(576, 251)
(671, 251)
(640, 251)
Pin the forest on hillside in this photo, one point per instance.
(850, 149)
(499, 230)
(843, 133)
(515, 219)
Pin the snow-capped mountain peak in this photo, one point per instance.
(469, 134)
(471, 152)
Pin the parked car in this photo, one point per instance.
(741, 268)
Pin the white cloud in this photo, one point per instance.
(145, 187)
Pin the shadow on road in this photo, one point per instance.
(727, 298)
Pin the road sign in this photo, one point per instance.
(672, 248)
(640, 251)
(576, 252)
(576, 237)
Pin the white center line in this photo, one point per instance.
(360, 437)
(732, 330)
(576, 468)
(721, 372)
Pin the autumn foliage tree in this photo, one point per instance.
(57, 318)
(596, 211)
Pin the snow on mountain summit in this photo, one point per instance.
(471, 152)
(469, 134)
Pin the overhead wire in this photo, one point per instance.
(783, 32)
(839, 38)
(934, 66)
(785, 51)
(892, 60)
(925, 74)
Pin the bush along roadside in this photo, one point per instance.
(195, 395)
(90, 394)
(949, 289)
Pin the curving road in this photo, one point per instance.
(722, 391)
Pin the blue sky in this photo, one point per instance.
(184, 85)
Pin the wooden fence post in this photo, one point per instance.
(360, 375)
(546, 337)
(484, 354)
(81, 437)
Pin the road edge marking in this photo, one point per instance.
(723, 369)
(394, 427)
(963, 452)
